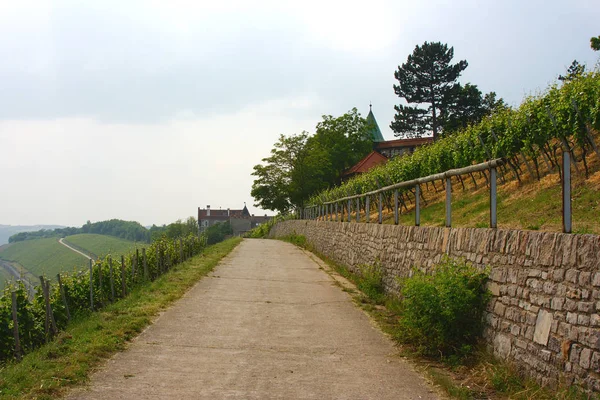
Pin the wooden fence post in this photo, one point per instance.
(92, 285)
(396, 207)
(123, 283)
(417, 205)
(493, 199)
(50, 323)
(145, 261)
(181, 250)
(64, 297)
(112, 280)
(16, 326)
(566, 193)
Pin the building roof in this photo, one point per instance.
(399, 143)
(369, 161)
(375, 131)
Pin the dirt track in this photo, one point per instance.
(267, 324)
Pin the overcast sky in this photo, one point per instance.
(145, 110)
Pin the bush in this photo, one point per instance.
(370, 282)
(442, 312)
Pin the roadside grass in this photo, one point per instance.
(479, 376)
(102, 245)
(90, 339)
(43, 257)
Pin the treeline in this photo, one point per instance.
(128, 230)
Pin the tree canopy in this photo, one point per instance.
(427, 77)
(429, 80)
(301, 165)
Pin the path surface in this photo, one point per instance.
(267, 324)
(74, 249)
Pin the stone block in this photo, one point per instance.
(583, 320)
(595, 320)
(558, 274)
(557, 303)
(585, 278)
(494, 288)
(572, 318)
(571, 275)
(542, 327)
(499, 309)
(596, 279)
(502, 346)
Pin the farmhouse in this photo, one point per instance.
(241, 221)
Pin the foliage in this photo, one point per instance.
(301, 165)
(564, 112)
(426, 77)
(175, 229)
(218, 232)
(595, 43)
(161, 255)
(442, 312)
(263, 230)
(370, 281)
(129, 230)
(574, 71)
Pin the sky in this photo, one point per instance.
(146, 110)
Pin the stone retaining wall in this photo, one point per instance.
(544, 315)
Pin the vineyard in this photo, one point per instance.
(531, 139)
(101, 245)
(26, 325)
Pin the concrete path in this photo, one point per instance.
(267, 324)
(74, 249)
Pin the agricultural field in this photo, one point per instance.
(102, 245)
(43, 256)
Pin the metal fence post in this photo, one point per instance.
(349, 204)
(448, 202)
(380, 217)
(566, 193)
(368, 208)
(396, 206)
(493, 199)
(417, 205)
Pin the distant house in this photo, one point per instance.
(383, 149)
(241, 221)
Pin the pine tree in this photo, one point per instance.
(426, 77)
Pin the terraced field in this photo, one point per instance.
(43, 256)
(102, 245)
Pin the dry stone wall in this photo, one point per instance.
(545, 312)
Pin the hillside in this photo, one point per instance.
(43, 256)
(102, 245)
(49, 257)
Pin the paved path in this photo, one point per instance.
(267, 324)
(74, 249)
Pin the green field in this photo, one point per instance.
(102, 245)
(43, 256)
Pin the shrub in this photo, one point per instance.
(442, 312)
(370, 282)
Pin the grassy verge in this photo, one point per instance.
(47, 372)
(479, 376)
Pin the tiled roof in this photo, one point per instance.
(369, 161)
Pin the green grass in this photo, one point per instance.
(531, 206)
(49, 371)
(43, 256)
(102, 245)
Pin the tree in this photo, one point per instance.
(595, 43)
(301, 165)
(340, 143)
(273, 189)
(575, 70)
(465, 105)
(426, 77)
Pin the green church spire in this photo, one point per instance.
(375, 131)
